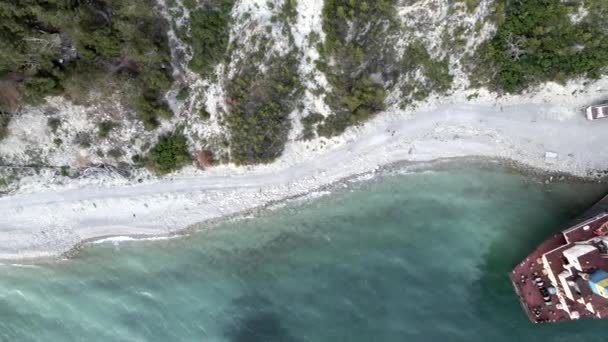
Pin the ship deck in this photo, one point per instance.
(529, 294)
(523, 274)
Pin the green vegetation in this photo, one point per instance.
(309, 123)
(289, 10)
(169, 154)
(287, 14)
(9, 96)
(149, 107)
(537, 42)
(67, 47)
(209, 34)
(83, 139)
(359, 102)
(53, 124)
(4, 121)
(471, 5)
(105, 127)
(116, 153)
(436, 76)
(9, 101)
(8, 180)
(183, 94)
(258, 120)
(64, 171)
(359, 43)
(472, 96)
(204, 114)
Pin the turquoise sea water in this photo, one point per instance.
(421, 257)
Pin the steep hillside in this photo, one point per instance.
(134, 88)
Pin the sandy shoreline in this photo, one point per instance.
(545, 132)
(395, 168)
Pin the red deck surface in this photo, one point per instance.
(527, 290)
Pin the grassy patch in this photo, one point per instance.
(203, 114)
(83, 139)
(53, 124)
(5, 120)
(537, 42)
(169, 154)
(116, 153)
(7, 181)
(105, 127)
(287, 14)
(64, 171)
(289, 10)
(9, 97)
(9, 102)
(183, 94)
(471, 5)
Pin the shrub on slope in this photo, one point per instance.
(358, 58)
(169, 154)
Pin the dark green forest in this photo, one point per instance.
(537, 41)
(355, 96)
(72, 48)
(67, 47)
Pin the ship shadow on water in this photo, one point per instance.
(492, 295)
(256, 320)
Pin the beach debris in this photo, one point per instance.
(102, 169)
(551, 156)
(204, 158)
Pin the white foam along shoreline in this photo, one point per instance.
(545, 130)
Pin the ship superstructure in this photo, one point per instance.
(566, 277)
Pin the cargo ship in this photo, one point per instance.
(566, 276)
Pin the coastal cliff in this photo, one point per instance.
(143, 118)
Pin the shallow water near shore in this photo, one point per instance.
(418, 257)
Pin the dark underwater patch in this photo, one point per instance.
(257, 322)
